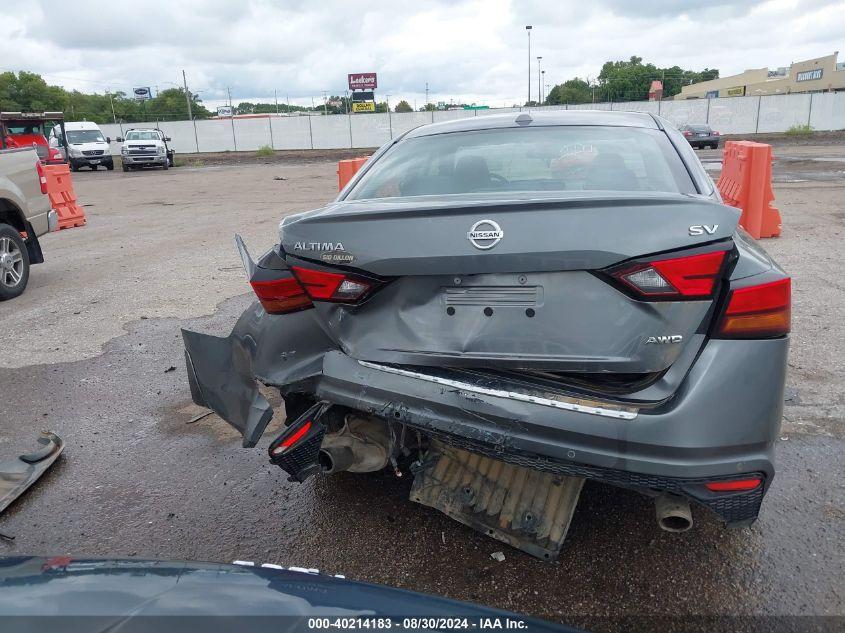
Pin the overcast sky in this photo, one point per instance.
(470, 51)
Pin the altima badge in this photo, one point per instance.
(485, 234)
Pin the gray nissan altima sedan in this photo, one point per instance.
(504, 306)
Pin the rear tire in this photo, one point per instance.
(110, 166)
(14, 263)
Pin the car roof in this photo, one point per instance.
(80, 125)
(539, 119)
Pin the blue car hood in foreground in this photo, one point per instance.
(69, 594)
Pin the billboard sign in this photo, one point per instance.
(363, 95)
(809, 75)
(363, 106)
(736, 91)
(225, 111)
(362, 81)
(142, 94)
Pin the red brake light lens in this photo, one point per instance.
(691, 277)
(737, 485)
(758, 311)
(326, 286)
(281, 296)
(42, 177)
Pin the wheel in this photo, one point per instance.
(74, 166)
(110, 166)
(125, 167)
(171, 160)
(94, 167)
(14, 263)
(715, 146)
(166, 164)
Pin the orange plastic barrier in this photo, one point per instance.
(63, 197)
(746, 183)
(348, 168)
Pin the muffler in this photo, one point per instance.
(673, 513)
(361, 446)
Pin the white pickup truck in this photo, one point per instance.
(25, 214)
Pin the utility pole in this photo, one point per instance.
(528, 30)
(187, 96)
(232, 119)
(539, 88)
(276, 97)
(325, 104)
(426, 95)
(111, 100)
(190, 111)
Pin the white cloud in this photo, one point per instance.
(472, 50)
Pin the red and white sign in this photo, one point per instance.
(362, 81)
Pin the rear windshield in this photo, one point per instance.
(85, 136)
(15, 128)
(562, 158)
(698, 128)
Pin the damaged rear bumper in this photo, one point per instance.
(712, 428)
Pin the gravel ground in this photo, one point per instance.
(92, 351)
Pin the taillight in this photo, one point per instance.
(691, 277)
(714, 133)
(42, 177)
(281, 296)
(291, 440)
(758, 311)
(327, 286)
(737, 485)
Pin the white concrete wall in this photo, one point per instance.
(736, 115)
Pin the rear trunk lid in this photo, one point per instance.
(510, 284)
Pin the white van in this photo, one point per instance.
(86, 145)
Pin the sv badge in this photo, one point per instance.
(701, 229)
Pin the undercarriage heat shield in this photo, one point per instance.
(527, 509)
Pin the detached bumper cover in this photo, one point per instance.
(714, 427)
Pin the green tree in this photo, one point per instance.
(570, 91)
(630, 80)
(403, 106)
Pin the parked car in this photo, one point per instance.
(64, 593)
(25, 215)
(486, 315)
(701, 136)
(86, 145)
(145, 147)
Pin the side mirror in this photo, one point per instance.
(166, 139)
(108, 139)
(119, 139)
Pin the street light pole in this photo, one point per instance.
(543, 92)
(539, 89)
(528, 29)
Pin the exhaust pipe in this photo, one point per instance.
(673, 513)
(335, 459)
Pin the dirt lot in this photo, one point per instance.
(92, 351)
